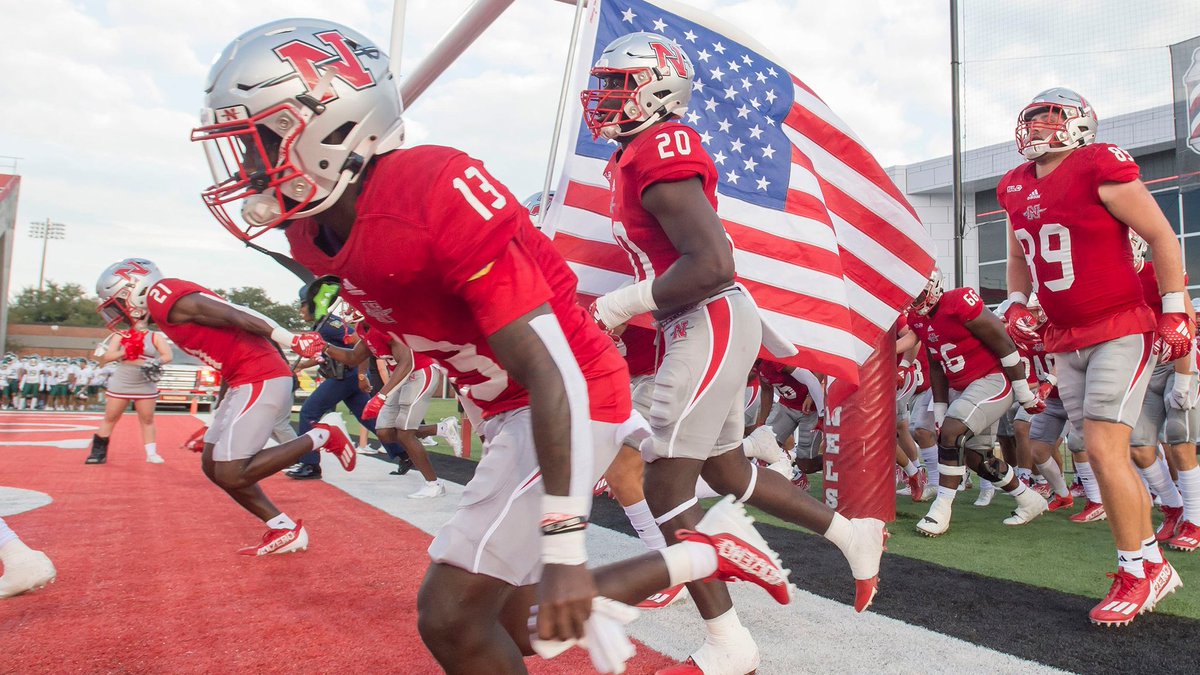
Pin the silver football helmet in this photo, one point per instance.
(293, 112)
(924, 303)
(122, 289)
(643, 78)
(1069, 122)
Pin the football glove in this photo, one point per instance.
(1020, 323)
(1183, 395)
(372, 408)
(309, 345)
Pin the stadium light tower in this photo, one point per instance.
(46, 231)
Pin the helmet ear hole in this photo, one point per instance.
(340, 134)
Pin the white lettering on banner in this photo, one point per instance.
(832, 447)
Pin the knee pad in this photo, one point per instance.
(989, 468)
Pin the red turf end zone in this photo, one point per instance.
(149, 581)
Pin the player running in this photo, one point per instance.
(238, 342)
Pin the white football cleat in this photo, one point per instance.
(761, 444)
(985, 497)
(937, 521)
(1030, 505)
(429, 490)
(25, 570)
(449, 430)
(155, 459)
(736, 655)
(277, 542)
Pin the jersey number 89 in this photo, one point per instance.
(1054, 247)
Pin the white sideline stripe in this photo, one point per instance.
(880, 644)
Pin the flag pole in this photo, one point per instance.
(399, 10)
(959, 218)
(563, 97)
(469, 26)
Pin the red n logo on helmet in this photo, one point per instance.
(669, 53)
(306, 60)
(130, 270)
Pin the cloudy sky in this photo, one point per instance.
(101, 96)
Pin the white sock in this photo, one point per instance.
(911, 469)
(929, 457)
(1158, 478)
(724, 627)
(1189, 487)
(281, 522)
(840, 532)
(151, 449)
(6, 533)
(1090, 487)
(689, 561)
(947, 494)
(1151, 552)
(319, 437)
(704, 491)
(985, 485)
(643, 523)
(1054, 477)
(1131, 562)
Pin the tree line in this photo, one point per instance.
(70, 305)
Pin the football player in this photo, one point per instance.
(304, 125)
(663, 187)
(1070, 209)
(1169, 410)
(975, 373)
(238, 342)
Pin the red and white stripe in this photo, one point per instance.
(830, 273)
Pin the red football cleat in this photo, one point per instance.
(1061, 502)
(1092, 512)
(339, 441)
(739, 561)
(917, 483)
(1187, 537)
(275, 542)
(1163, 580)
(800, 479)
(1044, 490)
(195, 442)
(663, 598)
(1128, 597)
(1077, 489)
(1171, 517)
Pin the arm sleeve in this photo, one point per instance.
(810, 381)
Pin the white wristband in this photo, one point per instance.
(905, 363)
(564, 520)
(282, 337)
(1010, 359)
(618, 307)
(1022, 392)
(1172, 303)
(1018, 298)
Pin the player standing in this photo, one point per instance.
(1070, 210)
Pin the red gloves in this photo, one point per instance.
(309, 345)
(1175, 334)
(1020, 323)
(372, 408)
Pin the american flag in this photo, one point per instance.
(826, 244)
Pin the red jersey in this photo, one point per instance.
(240, 356)
(963, 357)
(641, 350)
(1078, 253)
(379, 343)
(922, 370)
(666, 153)
(791, 393)
(441, 256)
